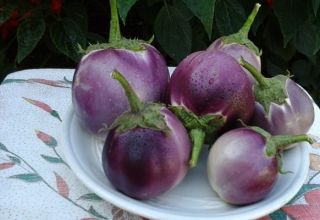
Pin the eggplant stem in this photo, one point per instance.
(282, 141)
(135, 104)
(263, 81)
(244, 31)
(114, 32)
(197, 137)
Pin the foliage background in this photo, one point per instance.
(46, 33)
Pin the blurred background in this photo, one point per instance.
(48, 33)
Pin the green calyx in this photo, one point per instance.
(278, 143)
(128, 44)
(207, 123)
(143, 115)
(149, 117)
(199, 127)
(267, 90)
(274, 93)
(241, 37)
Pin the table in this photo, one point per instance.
(37, 183)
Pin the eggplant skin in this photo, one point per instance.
(98, 99)
(212, 82)
(239, 169)
(143, 163)
(238, 51)
(294, 117)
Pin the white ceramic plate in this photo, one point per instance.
(193, 198)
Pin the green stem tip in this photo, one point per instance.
(114, 32)
(135, 104)
(197, 137)
(244, 31)
(263, 81)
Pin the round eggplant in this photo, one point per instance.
(243, 164)
(147, 150)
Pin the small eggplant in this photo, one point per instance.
(238, 45)
(209, 91)
(99, 100)
(147, 150)
(243, 164)
(282, 106)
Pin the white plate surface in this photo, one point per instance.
(193, 198)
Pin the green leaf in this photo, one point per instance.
(173, 32)
(152, 2)
(29, 33)
(315, 6)
(278, 215)
(55, 114)
(14, 81)
(76, 11)
(95, 213)
(67, 35)
(28, 177)
(304, 189)
(5, 13)
(230, 16)
(307, 40)
(3, 147)
(272, 37)
(291, 15)
(184, 10)
(204, 10)
(52, 159)
(90, 196)
(14, 159)
(124, 7)
(302, 71)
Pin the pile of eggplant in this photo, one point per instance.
(156, 125)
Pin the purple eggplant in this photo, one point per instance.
(147, 150)
(243, 164)
(209, 91)
(282, 106)
(238, 45)
(99, 100)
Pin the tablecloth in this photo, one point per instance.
(36, 181)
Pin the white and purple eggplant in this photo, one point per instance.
(99, 100)
(282, 106)
(147, 150)
(238, 44)
(209, 91)
(243, 164)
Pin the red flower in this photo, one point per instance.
(14, 14)
(56, 6)
(26, 15)
(269, 3)
(8, 26)
(35, 2)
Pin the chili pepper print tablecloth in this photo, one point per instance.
(36, 181)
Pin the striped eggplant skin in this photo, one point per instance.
(293, 117)
(212, 82)
(98, 99)
(239, 170)
(144, 163)
(238, 51)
